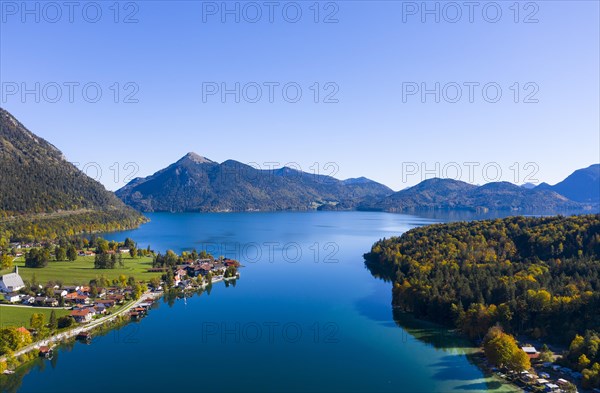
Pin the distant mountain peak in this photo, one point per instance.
(529, 186)
(197, 158)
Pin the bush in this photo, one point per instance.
(64, 322)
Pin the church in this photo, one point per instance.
(11, 282)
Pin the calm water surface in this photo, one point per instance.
(306, 315)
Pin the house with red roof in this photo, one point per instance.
(82, 315)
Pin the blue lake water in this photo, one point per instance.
(305, 315)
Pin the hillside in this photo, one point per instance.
(42, 193)
(536, 276)
(453, 194)
(583, 185)
(197, 184)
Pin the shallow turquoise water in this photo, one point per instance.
(306, 315)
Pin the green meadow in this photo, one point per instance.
(20, 316)
(82, 270)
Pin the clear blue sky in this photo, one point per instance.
(374, 52)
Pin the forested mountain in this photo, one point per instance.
(43, 193)
(581, 186)
(454, 194)
(195, 183)
(539, 276)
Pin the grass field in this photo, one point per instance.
(82, 270)
(20, 316)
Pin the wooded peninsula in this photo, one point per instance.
(538, 277)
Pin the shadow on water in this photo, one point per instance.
(438, 336)
(457, 347)
(479, 386)
(451, 367)
(373, 307)
(378, 270)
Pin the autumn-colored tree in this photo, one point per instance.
(502, 350)
(518, 361)
(591, 377)
(6, 261)
(583, 362)
(12, 339)
(37, 321)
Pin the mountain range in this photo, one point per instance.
(195, 183)
(43, 194)
(449, 194)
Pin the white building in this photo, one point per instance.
(11, 282)
(12, 297)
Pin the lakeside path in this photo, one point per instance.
(84, 328)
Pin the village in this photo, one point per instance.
(187, 275)
(78, 309)
(543, 376)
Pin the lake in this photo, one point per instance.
(305, 316)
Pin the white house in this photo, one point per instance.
(11, 282)
(12, 297)
(60, 292)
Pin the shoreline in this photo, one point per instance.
(71, 333)
(62, 337)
